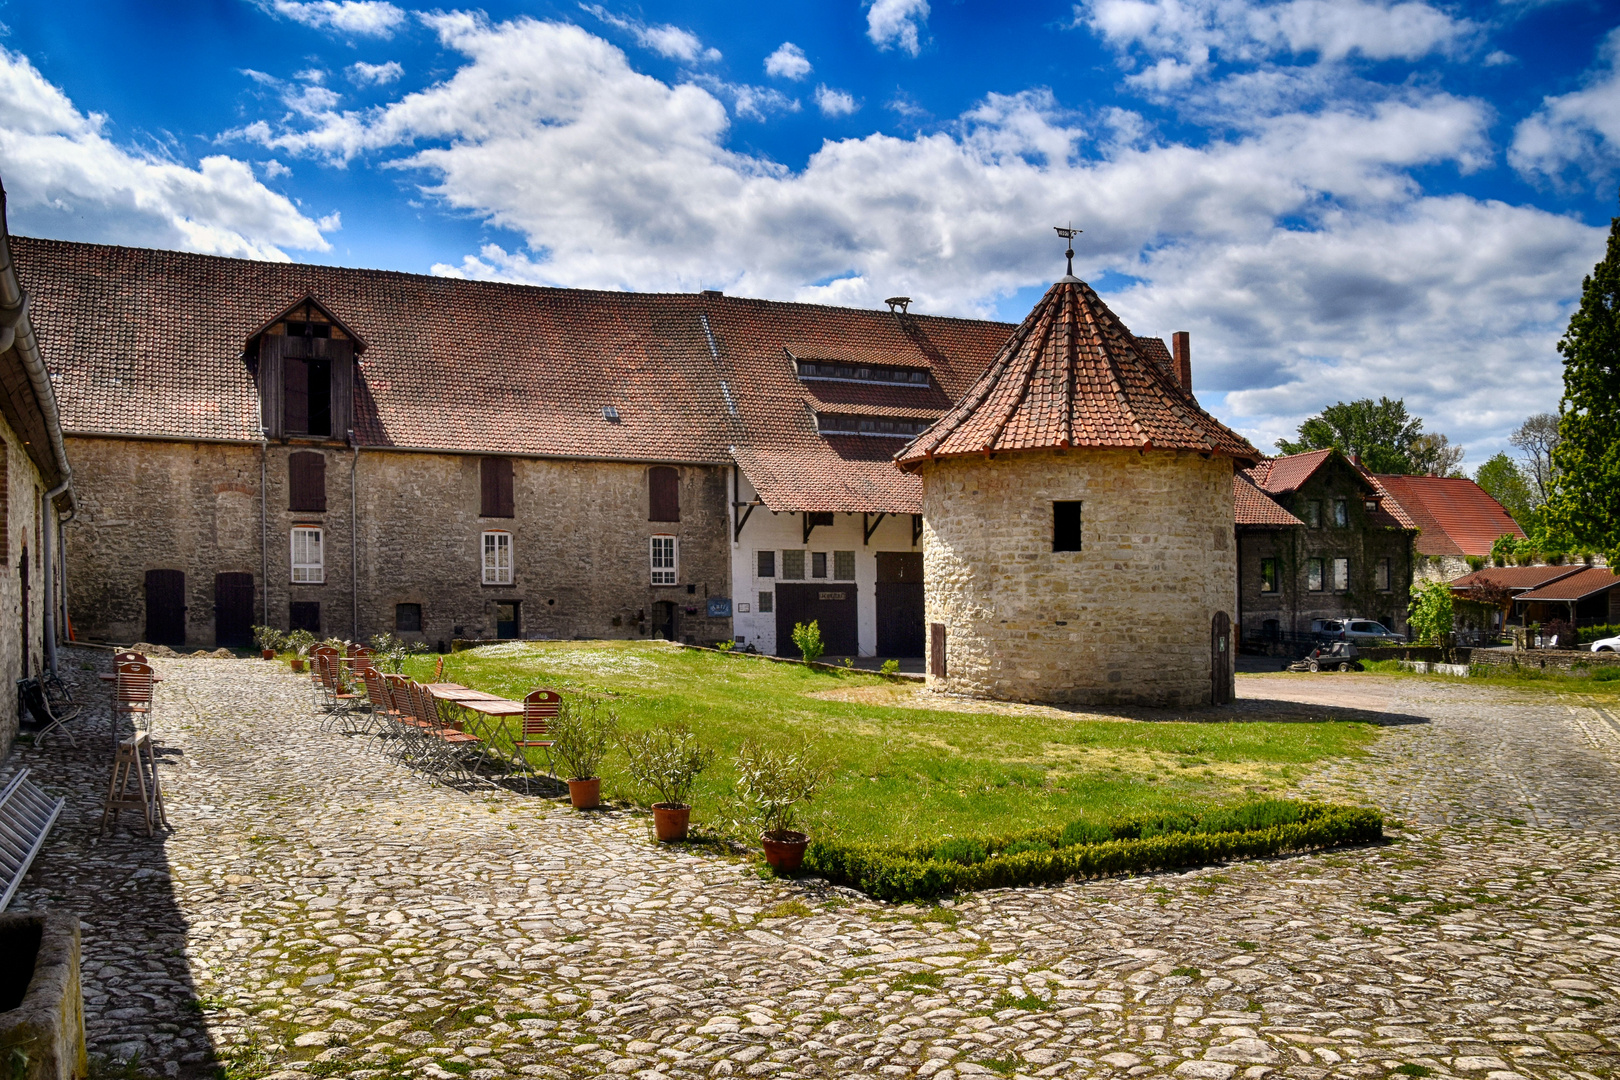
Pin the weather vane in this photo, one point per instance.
(1069, 233)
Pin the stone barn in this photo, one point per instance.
(1077, 509)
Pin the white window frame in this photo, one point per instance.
(491, 544)
(664, 559)
(308, 571)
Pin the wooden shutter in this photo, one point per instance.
(663, 494)
(306, 481)
(295, 394)
(271, 386)
(495, 488)
(341, 357)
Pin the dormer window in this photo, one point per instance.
(895, 427)
(820, 369)
(835, 364)
(306, 373)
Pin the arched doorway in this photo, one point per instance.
(1220, 660)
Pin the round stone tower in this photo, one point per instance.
(1078, 538)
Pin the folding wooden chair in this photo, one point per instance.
(540, 708)
(128, 657)
(413, 728)
(450, 742)
(317, 690)
(132, 695)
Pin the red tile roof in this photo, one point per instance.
(1577, 586)
(150, 343)
(1286, 475)
(1515, 577)
(1457, 516)
(855, 353)
(1073, 375)
(1251, 506)
(1155, 350)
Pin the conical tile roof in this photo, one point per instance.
(1073, 375)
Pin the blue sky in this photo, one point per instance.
(1337, 198)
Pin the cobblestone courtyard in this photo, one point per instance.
(317, 910)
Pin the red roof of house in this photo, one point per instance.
(150, 343)
(1251, 506)
(1457, 516)
(1577, 586)
(1514, 577)
(1285, 475)
(1073, 375)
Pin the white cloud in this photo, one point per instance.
(368, 18)
(375, 74)
(274, 169)
(65, 178)
(668, 41)
(834, 102)
(1579, 130)
(787, 62)
(1300, 249)
(1181, 39)
(897, 23)
(748, 102)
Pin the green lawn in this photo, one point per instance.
(1603, 689)
(900, 773)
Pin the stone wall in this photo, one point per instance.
(580, 539)
(1125, 620)
(1544, 659)
(24, 492)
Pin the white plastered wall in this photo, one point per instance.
(778, 532)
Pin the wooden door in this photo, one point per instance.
(506, 619)
(233, 610)
(166, 607)
(664, 619)
(1221, 677)
(831, 604)
(936, 650)
(899, 601)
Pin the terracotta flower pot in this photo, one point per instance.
(298, 663)
(268, 654)
(670, 821)
(785, 853)
(585, 794)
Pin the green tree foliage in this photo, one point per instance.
(1430, 615)
(1586, 462)
(1502, 478)
(807, 636)
(1381, 433)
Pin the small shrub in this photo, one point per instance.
(1606, 674)
(388, 652)
(891, 667)
(666, 759)
(299, 641)
(807, 638)
(268, 637)
(1020, 846)
(581, 735)
(773, 780)
(725, 646)
(1086, 832)
(961, 849)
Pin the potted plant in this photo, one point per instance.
(581, 735)
(772, 781)
(300, 642)
(270, 641)
(667, 759)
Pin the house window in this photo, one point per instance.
(308, 565)
(767, 603)
(1312, 514)
(1341, 574)
(663, 494)
(495, 488)
(1341, 512)
(497, 558)
(663, 560)
(767, 563)
(848, 372)
(1381, 576)
(818, 564)
(1268, 575)
(307, 385)
(1066, 526)
(844, 565)
(408, 618)
(1313, 575)
(306, 482)
(793, 565)
(304, 615)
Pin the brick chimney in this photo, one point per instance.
(1181, 350)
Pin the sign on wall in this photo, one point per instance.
(719, 607)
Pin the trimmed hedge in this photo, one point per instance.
(1088, 850)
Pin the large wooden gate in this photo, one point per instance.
(1221, 677)
(166, 607)
(233, 610)
(899, 601)
(831, 604)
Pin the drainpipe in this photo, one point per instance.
(48, 564)
(264, 523)
(354, 541)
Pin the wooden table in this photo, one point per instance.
(490, 711)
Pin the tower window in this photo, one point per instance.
(1066, 526)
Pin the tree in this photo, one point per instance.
(1379, 432)
(1434, 454)
(1504, 481)
(1430, 613)
(1536, 439)
(1585, 503)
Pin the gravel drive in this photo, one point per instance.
(317, 910)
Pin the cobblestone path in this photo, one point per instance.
(317, 911)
